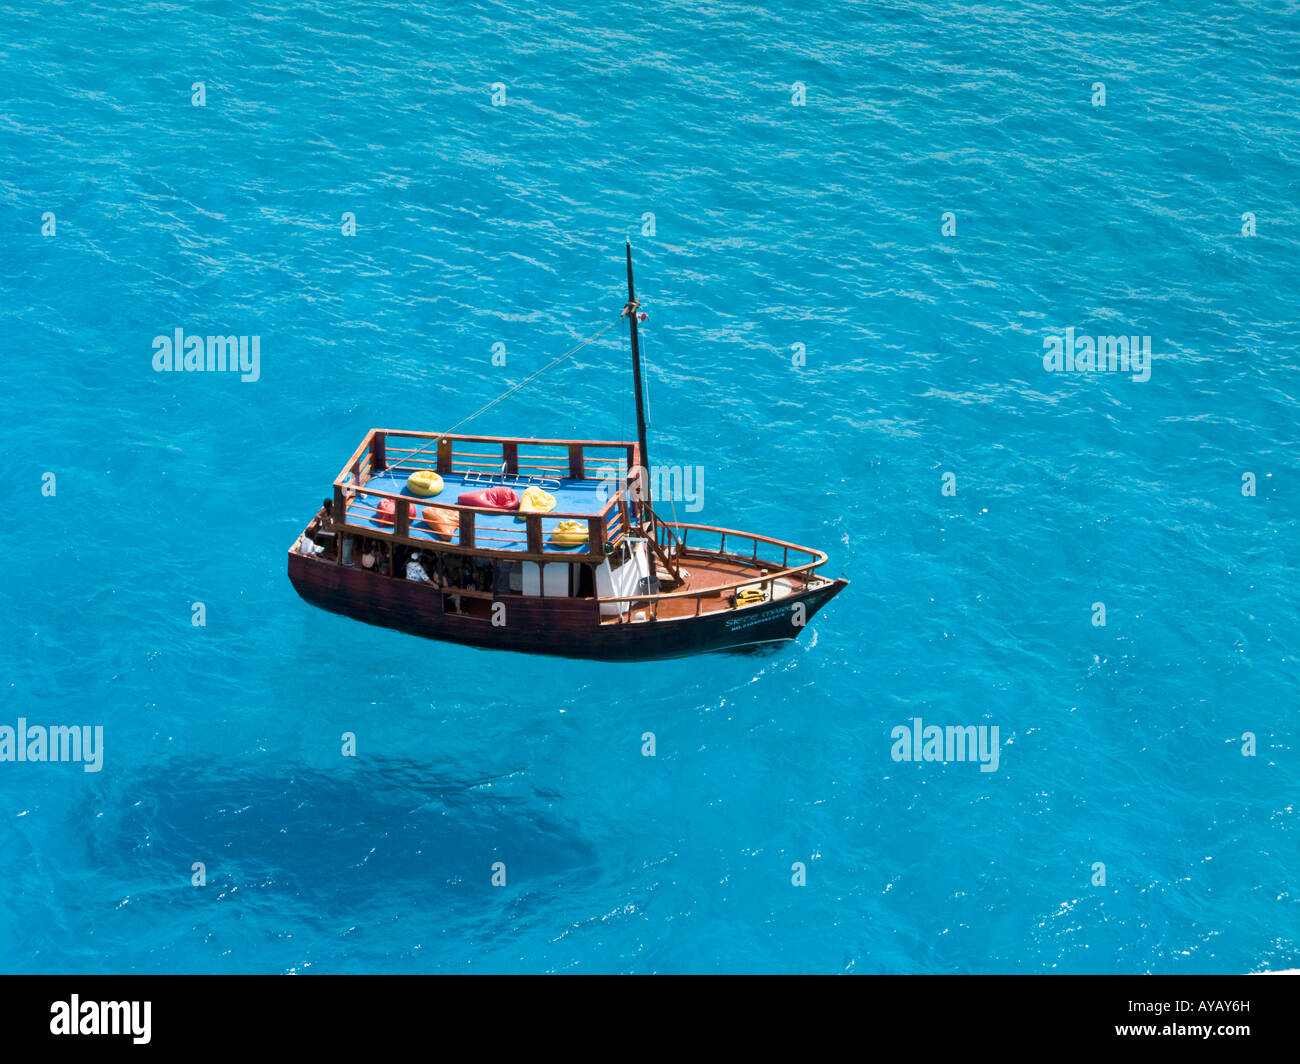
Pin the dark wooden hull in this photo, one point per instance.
(557, 626)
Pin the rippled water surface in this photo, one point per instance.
(774, 225)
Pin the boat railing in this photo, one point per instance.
(526, 536)
(753, 539)
(493, 455)
(670, 543)
(488, 460)
(806, 570)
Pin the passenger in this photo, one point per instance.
(415, 571)
(503, 579)
(451, 579)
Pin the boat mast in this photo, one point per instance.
(631, 311)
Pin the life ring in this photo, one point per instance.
(424, 483)
(570, 533)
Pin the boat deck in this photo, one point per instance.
(705, 586)
(497, 531)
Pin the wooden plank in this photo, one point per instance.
(746, 535)
(440, 546)
(356, 456)
(538, 440)
(510, 455)
(575, 461)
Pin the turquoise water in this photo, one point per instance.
(774, 225)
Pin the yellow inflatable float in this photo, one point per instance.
(569, 533)
(536, 501)
(424, 483)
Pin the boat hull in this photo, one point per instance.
(560, 627)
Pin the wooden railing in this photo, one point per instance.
(526, 541)
(521, 456)
(528, 460)
(668, 552)
(807, 570)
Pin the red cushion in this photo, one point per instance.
(498, 498)
(387, 509)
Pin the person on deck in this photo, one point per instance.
(448, 577)
(415, 571)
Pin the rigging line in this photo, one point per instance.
(649, 416)
(645, 378)
(622, 403)
(511, 391)
(672, 501)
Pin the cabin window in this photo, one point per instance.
(554, 579)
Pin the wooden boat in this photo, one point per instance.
(598, 575)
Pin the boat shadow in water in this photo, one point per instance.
(376, 836)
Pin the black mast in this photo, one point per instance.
(631, 311)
